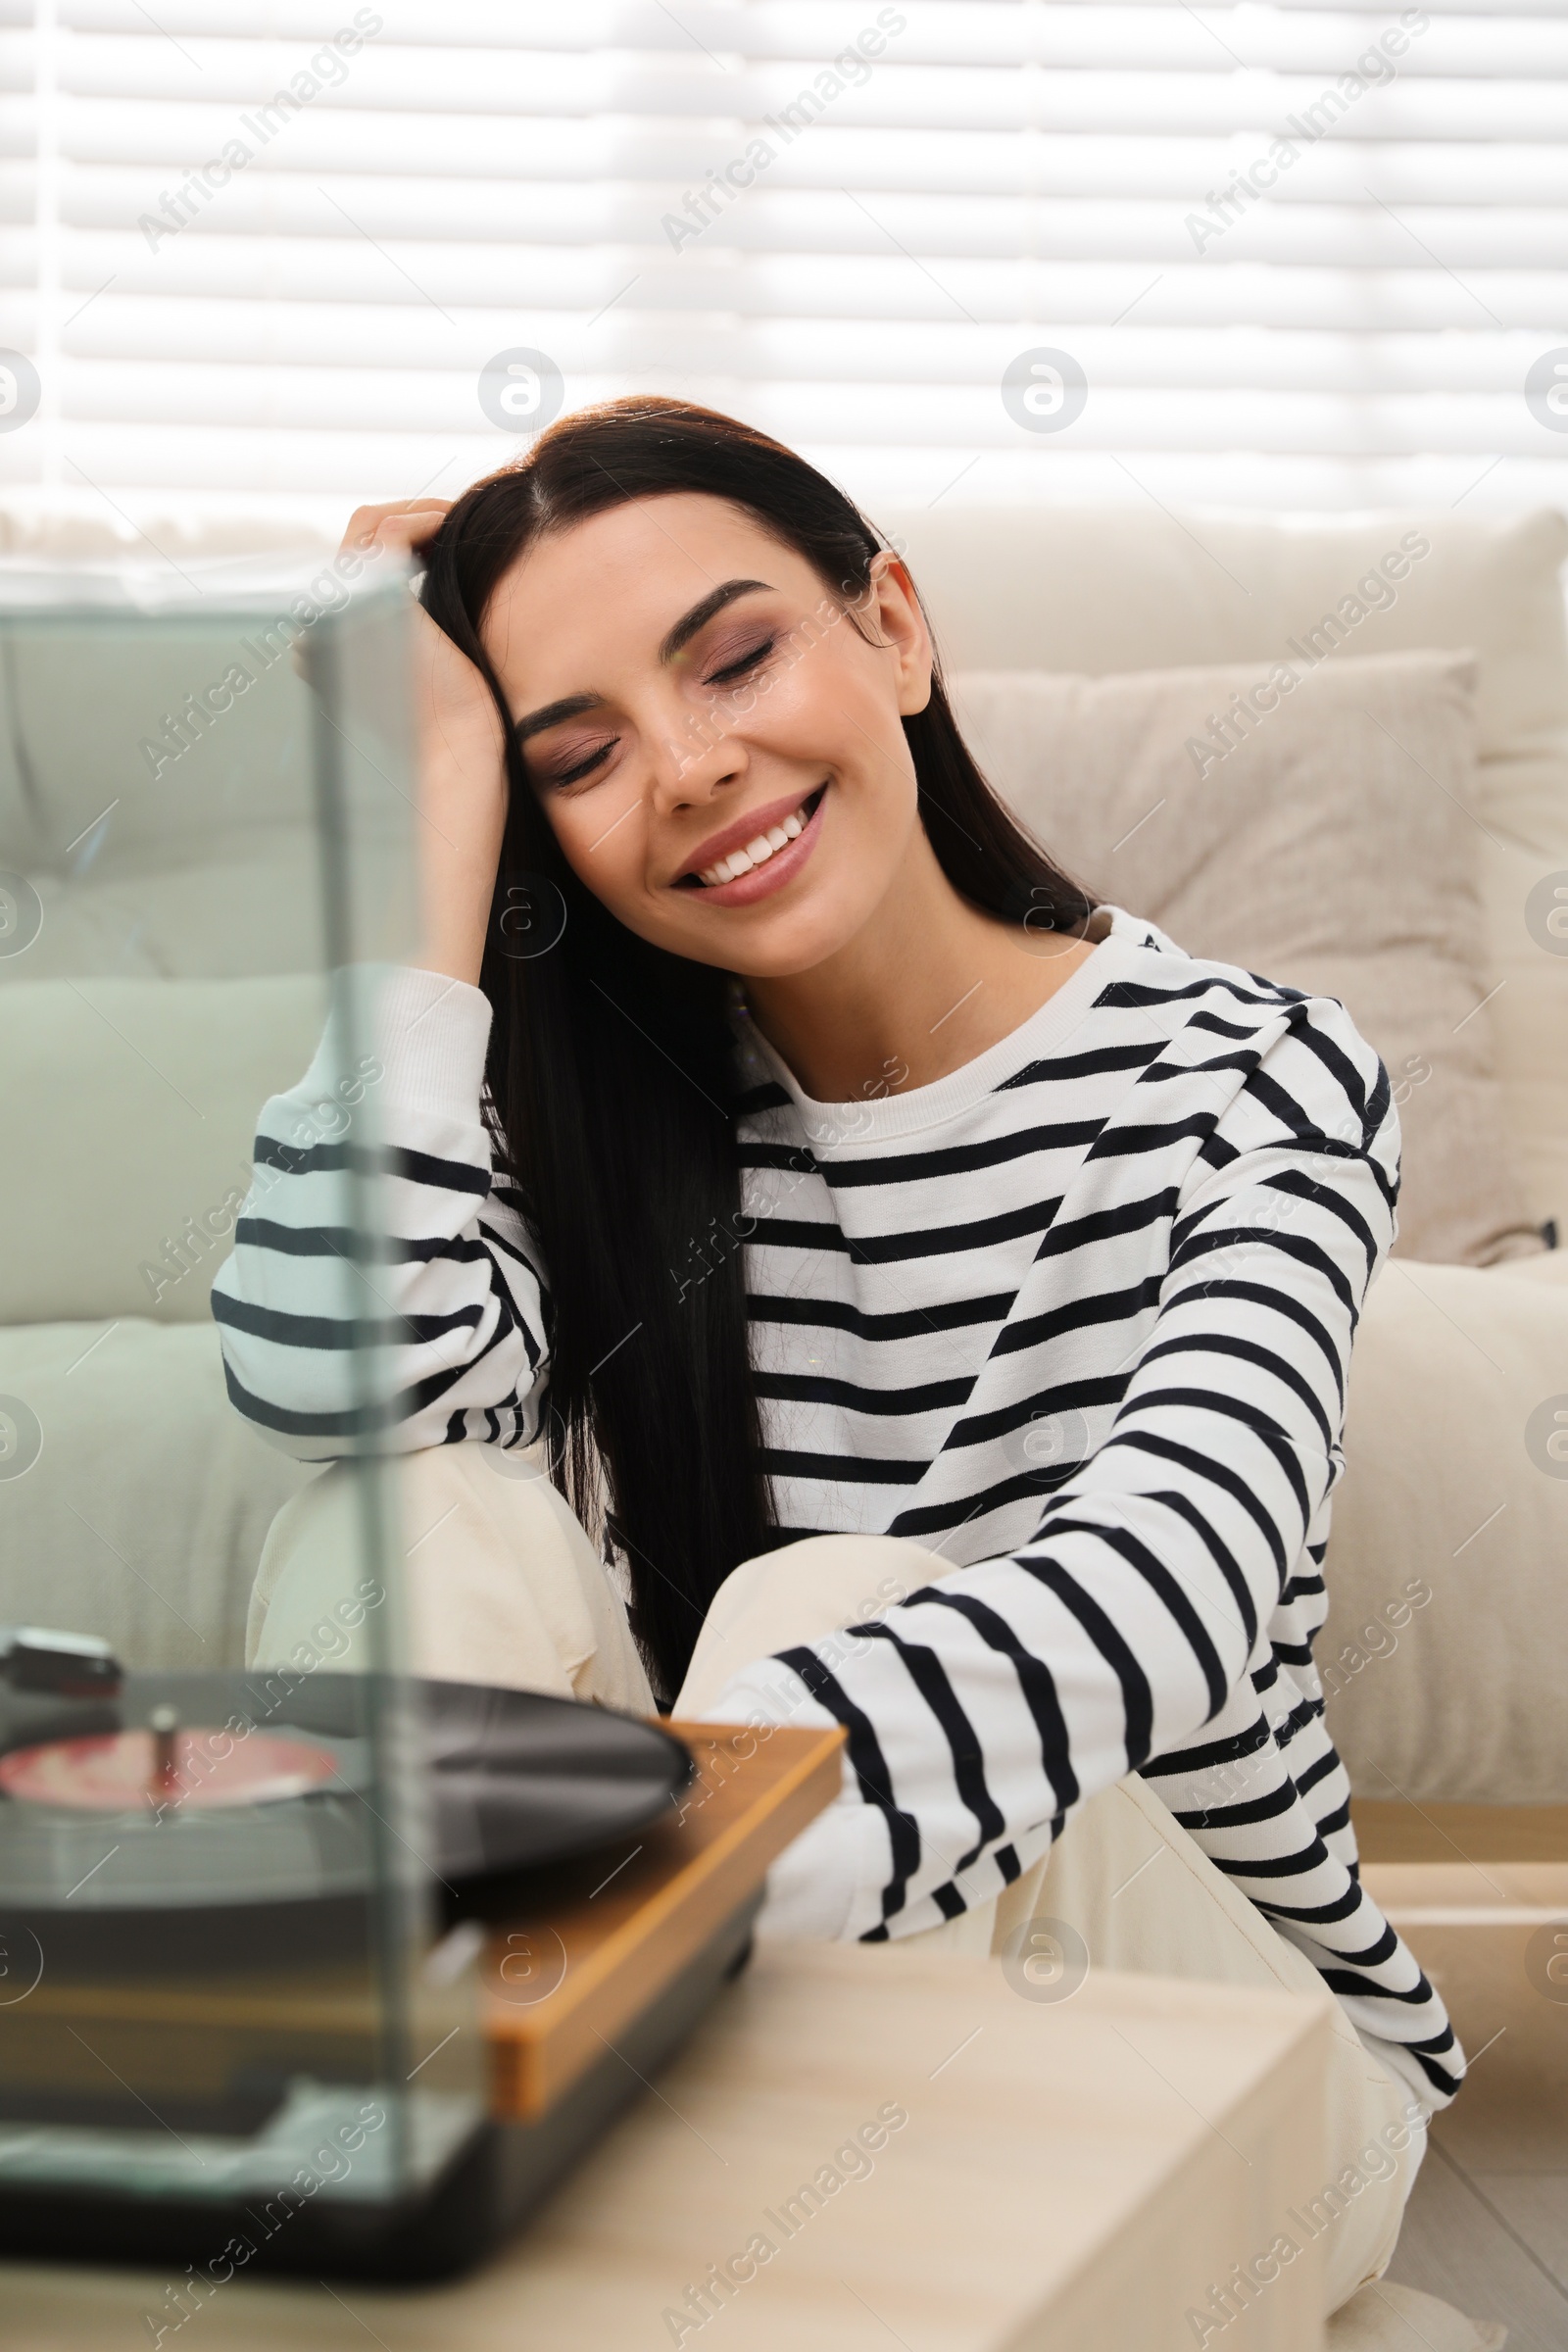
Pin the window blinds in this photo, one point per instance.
(1292, 255)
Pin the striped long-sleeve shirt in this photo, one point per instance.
(1076, 1317)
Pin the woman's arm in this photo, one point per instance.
(985, 1708)
(462, 786)
(457, 1290)
(455, 1286)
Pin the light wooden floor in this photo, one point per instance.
(1487, 2224)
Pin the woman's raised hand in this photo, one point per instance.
(400, 523)
(462, 786)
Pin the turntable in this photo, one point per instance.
(199, 2043)
(299, 1968)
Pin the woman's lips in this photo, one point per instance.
(781, 867)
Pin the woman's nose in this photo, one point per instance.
(695, 763)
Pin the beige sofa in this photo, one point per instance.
(1458, 1699)
(144, 1515)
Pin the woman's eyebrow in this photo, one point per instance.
(573, 706)
(686, 628)
(551, 715)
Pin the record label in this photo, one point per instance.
(126, 1769)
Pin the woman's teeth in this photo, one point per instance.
(756, 853)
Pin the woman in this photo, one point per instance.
(779, 1133)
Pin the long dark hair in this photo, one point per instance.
(612, 1073)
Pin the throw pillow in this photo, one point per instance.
(1313, 821)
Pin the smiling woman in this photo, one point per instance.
(1051, 1245)
(680, 639)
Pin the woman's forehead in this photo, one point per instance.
(620, 579)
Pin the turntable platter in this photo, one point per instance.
(130, 1822)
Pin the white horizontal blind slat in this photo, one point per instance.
(237, 271)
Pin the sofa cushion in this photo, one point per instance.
(1135, 588)
(130, 1111)
(1323, 837)
(1442, 1655)
(143, 1516)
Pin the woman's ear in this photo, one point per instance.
(902, 627)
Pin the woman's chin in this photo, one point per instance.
(773, 938)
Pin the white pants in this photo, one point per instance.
(501, 1585)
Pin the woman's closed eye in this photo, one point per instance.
(583, 763)
(739, 665)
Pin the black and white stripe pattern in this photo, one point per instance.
(1077, 1318)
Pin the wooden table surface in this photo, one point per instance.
(1068, 2175)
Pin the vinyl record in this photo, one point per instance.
(197, 1821)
